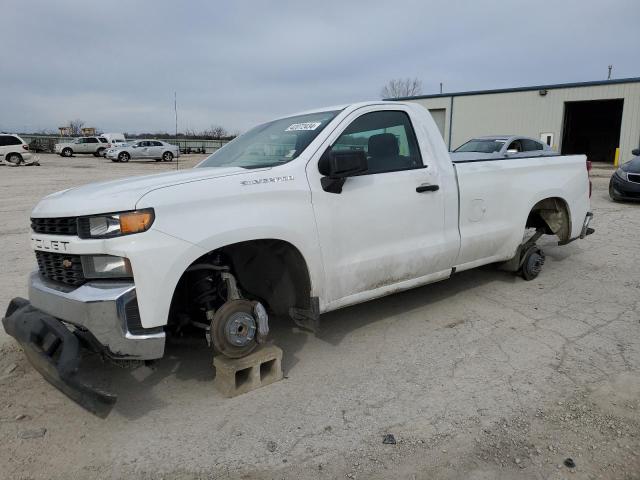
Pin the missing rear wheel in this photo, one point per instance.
(532, 263)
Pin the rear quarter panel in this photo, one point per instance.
(497, 196)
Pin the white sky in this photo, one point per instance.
(115, 64)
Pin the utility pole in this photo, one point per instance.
(175, 109)
(440, 88)
(610, 68)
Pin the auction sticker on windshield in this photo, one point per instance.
(303, 126)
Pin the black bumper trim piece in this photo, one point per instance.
(55, 352)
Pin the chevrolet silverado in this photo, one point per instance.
(299, 216)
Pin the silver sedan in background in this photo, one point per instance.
(143, 149)
(501, 147)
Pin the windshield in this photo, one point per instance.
(271, 144)
(481, 146)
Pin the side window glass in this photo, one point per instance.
(515, 145)
(3, 141)
(531, 145)
(388, 139)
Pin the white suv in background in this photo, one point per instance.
(13, 150)
(94, 145)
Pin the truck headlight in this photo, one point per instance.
(106, 266)
(115, 224)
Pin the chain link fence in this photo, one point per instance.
(46, 143)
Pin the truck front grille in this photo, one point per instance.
(62, 268)
(55, 226)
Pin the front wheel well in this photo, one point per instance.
(552, 216)
(271, 271)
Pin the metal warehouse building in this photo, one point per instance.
(593, 118)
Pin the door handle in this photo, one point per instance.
(427, 188)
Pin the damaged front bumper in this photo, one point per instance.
(107, 310)
(55, 352)
(58, 322)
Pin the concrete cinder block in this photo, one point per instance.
(235, 376)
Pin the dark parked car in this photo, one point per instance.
(625, 182)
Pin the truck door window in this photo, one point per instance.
(388, 139)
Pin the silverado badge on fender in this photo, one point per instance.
(267, 180)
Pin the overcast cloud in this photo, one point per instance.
(116, 64)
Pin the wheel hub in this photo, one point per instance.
(240, 329)
(536, 265)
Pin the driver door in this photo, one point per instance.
(384, 228)
(81, 146)
(141, 150)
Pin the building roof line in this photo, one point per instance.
(554, 86)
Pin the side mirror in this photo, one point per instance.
(636, 152)
(512, 150)
(134, 146)
(337, 166)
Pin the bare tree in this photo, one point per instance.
(216, 132)
(401, 87)
(75, 127)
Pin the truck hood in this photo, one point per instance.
(123, 194)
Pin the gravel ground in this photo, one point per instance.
(483, 376)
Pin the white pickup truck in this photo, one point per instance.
(299, 216)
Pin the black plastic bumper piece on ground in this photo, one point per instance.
(55, 352)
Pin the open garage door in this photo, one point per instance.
(592, 128)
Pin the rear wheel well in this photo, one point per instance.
(271, 271)
(552, 216)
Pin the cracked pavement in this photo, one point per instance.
(482, 376)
